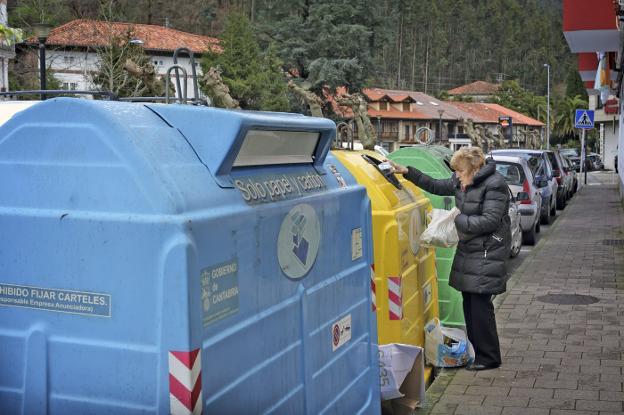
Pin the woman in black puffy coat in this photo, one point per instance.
(479, 268)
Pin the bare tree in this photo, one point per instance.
(359, 106)
(314, 102)
(124, 68)
(217, 90)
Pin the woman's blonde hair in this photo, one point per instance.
(470, 159)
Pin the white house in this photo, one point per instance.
(7, 50)
(71, 49)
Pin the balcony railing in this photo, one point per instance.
(389, 136)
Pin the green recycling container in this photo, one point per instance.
(435, 161)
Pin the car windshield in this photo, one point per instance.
(569, 152)
(553, 160)
(512, 172)
(536, 164)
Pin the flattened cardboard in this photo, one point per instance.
(413, 387)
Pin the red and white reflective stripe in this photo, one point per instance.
(373, 288)
(395, 301)
(185, 386)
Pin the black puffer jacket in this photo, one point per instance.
(483, 227)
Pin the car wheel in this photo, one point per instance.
(548, 217)
(561, 202)
(538, 226)
(515, 250)
(553, 209)
(528, 237)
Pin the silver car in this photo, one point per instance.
(516, 229)
(544, 177)
(520, 180)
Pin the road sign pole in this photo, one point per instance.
(583, 119)
(583, 155)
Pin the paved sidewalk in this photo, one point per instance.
(558, 358)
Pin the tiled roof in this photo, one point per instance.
(93, 33)
(397, 115)
(426, 107)
(476, 88)
(488, 113)
(377, 94)
(346, 112)
(424, 104)
(518, 117)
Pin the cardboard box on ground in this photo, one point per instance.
(396, 361)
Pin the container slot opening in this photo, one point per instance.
(271, 147)
(388, 174)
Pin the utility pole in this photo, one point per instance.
(548, 106)
(427, 64)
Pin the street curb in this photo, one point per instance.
(446, 376)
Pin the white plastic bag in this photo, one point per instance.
(395, 362)
(446, 346)
(441, 231)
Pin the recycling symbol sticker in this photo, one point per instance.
(298, 241)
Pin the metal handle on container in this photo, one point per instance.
(193, 70)
(181, 92)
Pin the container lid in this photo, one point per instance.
(228, 139)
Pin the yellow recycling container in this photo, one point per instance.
(405, 285)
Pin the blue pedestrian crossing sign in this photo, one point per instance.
(584, 119)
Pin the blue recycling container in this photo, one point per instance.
(178, 259)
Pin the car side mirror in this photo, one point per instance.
(522, 196)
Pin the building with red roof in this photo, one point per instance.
(478, 90)
(489, 115)
(398, 115)
(71, 48)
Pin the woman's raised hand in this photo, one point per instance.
(398, 168)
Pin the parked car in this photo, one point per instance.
(516, 230)
(543, 177)
(596, 161)
(574, 155)
(572, 172)
(520, 180)
(564, 179)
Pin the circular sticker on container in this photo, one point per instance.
(298, 241)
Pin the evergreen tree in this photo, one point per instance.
(255, 80)
(326, 43)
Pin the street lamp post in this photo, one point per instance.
(547, 106)
(42, 30)
(440, 112)
(379, 130)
